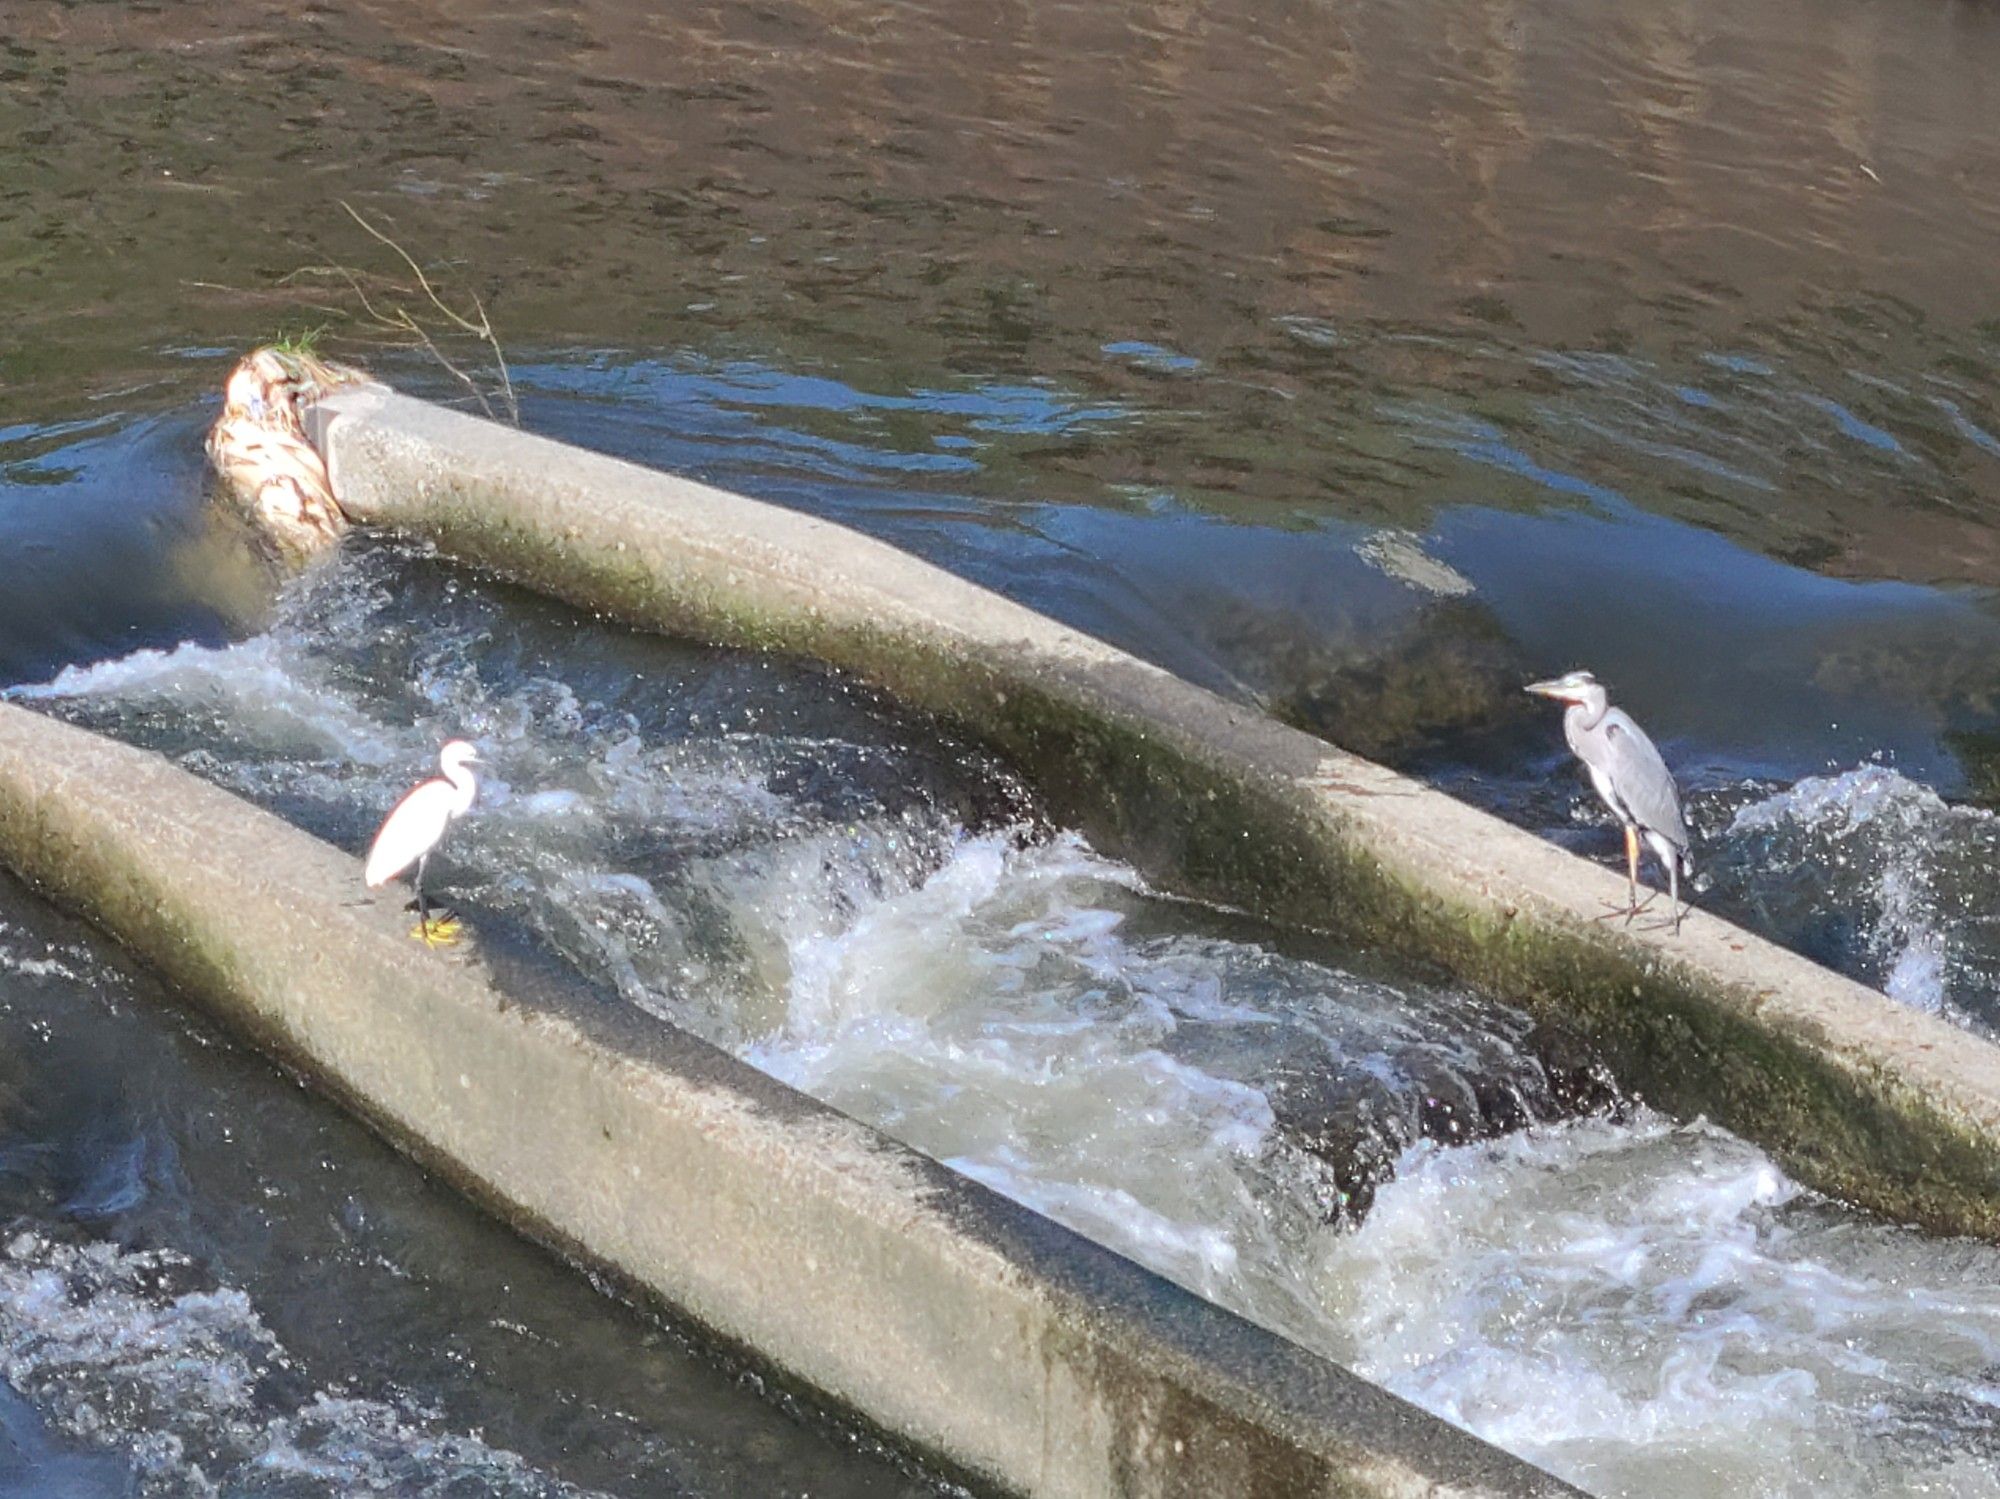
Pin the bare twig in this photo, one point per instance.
(383, 312)
(482, 329)
(439, 355)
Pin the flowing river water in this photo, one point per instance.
(1359, 362)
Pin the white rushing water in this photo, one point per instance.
(132, 1349)
(1890, 880)
(1642, 1306)
(1656, 1309)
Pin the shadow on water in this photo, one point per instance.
(1402, 644)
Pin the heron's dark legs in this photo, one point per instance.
(423, 910)
(1674, 889)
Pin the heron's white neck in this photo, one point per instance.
(1589, 710)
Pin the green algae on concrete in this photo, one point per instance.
(964, 1325)
(1890, 1109)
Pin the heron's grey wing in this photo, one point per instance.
(1644, 783)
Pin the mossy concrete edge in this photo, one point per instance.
(969, 1327)
(1888, 1108)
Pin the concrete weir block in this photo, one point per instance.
(1871, 1102)
(1017, 1352)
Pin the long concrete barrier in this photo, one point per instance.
(1015, 1351)
(1866, 1100)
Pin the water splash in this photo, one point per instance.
(1878, 875)
(1648, 1308)
(133, 1350)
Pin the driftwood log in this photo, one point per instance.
(259, 448)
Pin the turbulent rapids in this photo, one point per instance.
(97, 1335)
(1409, 1178)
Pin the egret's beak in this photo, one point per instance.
(1546, 689)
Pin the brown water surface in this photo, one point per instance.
(1306, 267)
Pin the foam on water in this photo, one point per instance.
(32, 956)
(118, 1349)
(1640, 1306)
(257, 686)
(1655, 1309)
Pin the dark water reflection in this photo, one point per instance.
(1407, 645)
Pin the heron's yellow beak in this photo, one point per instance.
(1545, 689)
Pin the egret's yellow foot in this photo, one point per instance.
(443, 931)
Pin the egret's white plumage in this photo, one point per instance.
(417, 823)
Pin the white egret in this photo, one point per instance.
(1630, 776)
(416, 825)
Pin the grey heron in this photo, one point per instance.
(416, 825)
(1630, 777)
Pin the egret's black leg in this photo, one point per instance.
(423, 911)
